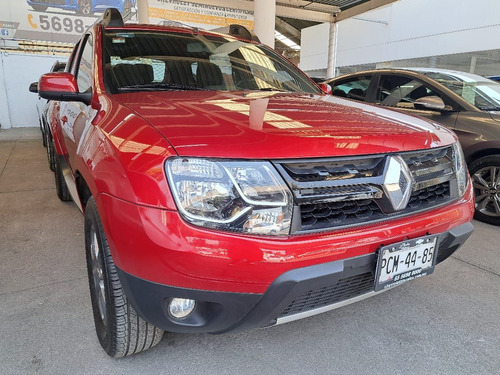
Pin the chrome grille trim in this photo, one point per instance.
(317, 184)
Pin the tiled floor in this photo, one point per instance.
(447, 323)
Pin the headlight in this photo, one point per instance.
(241, 196)
(460, 168)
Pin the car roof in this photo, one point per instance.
(463, 76)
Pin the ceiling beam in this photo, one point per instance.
(362, 8)
(285, 26)
(303, 14)
(306, 4)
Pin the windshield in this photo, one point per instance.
(478, 91)
(151, 61)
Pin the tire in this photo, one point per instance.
(120, 330)
(61, 187)
(84, 7)
(485, 174)
(44, 135)
(51, 153)
(39, 8)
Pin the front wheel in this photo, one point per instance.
(485, 173)
(120, 330)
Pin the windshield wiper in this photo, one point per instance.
(272, 89)
(158, 86)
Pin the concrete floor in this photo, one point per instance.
(446, 323)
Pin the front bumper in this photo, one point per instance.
(293, 295)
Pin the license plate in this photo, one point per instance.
(405, 261)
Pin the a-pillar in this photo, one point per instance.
(264, 14)
(143, 11)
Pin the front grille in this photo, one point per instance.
(325, 215)
(430, 196)
(345, 289)
(342, 192)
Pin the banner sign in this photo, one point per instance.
(55, 20)
(67, 20)
(198, 15)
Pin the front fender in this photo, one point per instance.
(125, 159)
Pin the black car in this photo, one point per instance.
(466, 103)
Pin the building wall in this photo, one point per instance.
(410, 29)
(17, 71)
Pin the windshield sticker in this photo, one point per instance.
(125, 35)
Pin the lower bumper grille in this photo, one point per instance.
(345, 289)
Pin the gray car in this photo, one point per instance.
(466, 103)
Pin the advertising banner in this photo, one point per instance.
(198, 15)
(55, 20)
(67, 20)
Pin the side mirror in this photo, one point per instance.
(433, 103)
(62, 87)
(34, 87)
(326, 88)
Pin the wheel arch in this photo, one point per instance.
(480, 153)
(83, 189)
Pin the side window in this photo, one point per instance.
(354, 88)
(401, 92)
(84, 75)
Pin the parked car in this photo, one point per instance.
(83, 7)
(42, 107)
(494, 78)
(466, 103)
(222, 190)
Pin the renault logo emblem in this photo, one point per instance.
(397, 184)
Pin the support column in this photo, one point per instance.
(473, 63)
(143, 11)
(5, 122)
(264, 15)
(332, 51)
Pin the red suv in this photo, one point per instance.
(223, 190)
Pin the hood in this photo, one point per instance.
(264, 125)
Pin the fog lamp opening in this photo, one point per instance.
(180, 308)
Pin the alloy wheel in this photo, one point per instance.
(487, 190)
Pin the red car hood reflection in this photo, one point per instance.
(263, 125)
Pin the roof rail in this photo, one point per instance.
(111, 18)
(243, 32)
